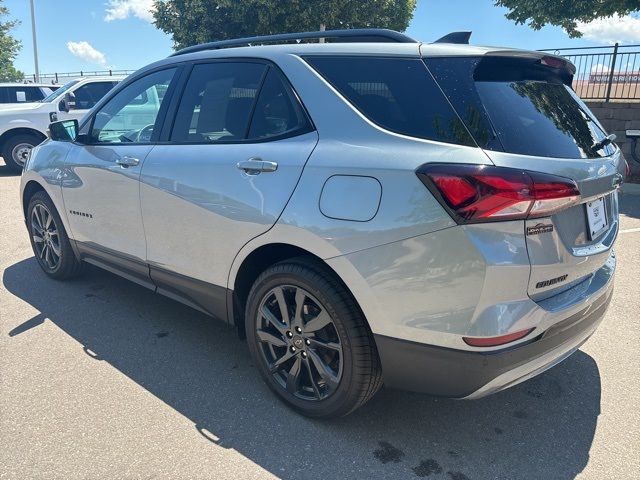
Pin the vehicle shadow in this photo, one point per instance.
(540, 429)
(629, 205)
(6, 171)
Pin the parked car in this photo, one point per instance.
(434, 217)
(23, 92)
(24, 125)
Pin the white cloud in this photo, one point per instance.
(611, 30)
(121, 9)
(86, 52)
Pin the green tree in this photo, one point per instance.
(197, 21)
(564, 13)
(9, 48)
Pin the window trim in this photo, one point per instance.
(165, 137)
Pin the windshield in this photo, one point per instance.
(59, 92)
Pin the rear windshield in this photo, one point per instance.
(398, 94)
(517, 107)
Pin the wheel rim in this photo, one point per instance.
(299, 342)
(45, 236)
(20, 153)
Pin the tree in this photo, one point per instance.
(564, 13)
(9, 48)
(198, 21)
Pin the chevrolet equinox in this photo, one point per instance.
(366, 210)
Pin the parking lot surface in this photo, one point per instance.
(101, 378)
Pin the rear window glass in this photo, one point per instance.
(511, 107)
(20, 94)
(397, 94)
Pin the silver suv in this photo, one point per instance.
(367, 210)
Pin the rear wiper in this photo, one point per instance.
(604, 142)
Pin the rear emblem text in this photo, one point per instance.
(539, 228)
(553, 281)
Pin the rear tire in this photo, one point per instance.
(16, 149)
(49, 239)
(319, 357)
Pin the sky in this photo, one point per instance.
(90, 35)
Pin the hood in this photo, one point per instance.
(23, 107)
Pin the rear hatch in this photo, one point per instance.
(521, 110)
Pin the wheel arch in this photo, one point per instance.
(20, 131)
(28, 191)
(257, 261)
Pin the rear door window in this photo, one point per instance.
(397, 94)
(217, 102)
(277, 112)
(519, 106)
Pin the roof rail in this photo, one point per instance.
(455, 37)
(349, 35)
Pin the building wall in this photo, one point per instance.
(617, 117)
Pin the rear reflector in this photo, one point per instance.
(485, 193)
(495, 341)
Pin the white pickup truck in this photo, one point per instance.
(24, 125)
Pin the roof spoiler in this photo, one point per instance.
(455, 37)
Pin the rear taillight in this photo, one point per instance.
(485, 193)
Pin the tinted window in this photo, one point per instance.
(20, 94)
(130, 116)
(59, 91)
(217, 102)
(91, 93)
(398, 94)
(277, 110)
(517, 106)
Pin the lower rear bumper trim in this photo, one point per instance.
(472, 374)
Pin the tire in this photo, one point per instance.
(49, 240)
(16, 148)
(343, 349)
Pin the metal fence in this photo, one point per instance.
(57, 78)
(605, 73)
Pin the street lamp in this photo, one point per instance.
(35, 43)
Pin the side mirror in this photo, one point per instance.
(67, 103)
(64, 131)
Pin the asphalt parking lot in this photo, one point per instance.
(100, 378)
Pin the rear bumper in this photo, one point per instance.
(473, 374)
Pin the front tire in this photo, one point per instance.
(310, 341)
(49, 240)
(16, 150)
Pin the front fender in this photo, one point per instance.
(46, 167)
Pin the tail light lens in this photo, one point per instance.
(485, 193)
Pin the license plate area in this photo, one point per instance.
(597, 221)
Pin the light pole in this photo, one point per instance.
(35, 43)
